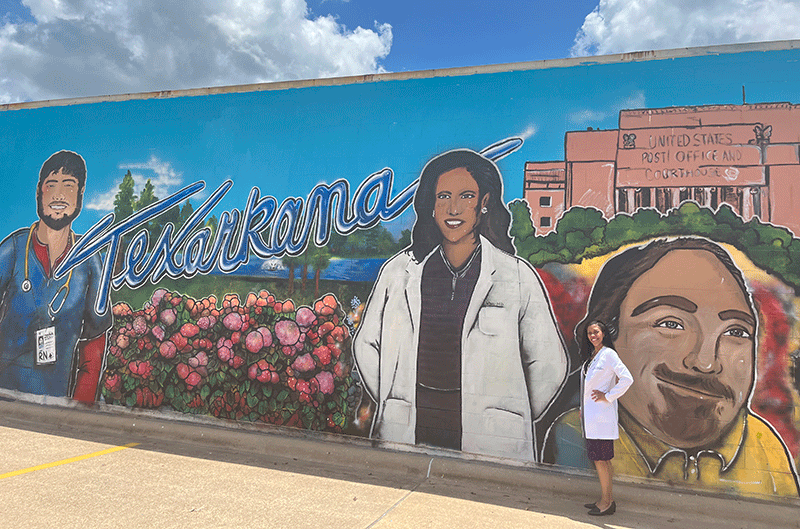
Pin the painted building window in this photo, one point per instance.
(622, 200)
(734, 197)
(663, 199)
(545, 222)
(755, 193)
(642, 197)
(545, 202)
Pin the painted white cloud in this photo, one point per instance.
(582, 117)
(618, 26)
(529, 132)
(589, 116)
(95, 47)
(165, 179)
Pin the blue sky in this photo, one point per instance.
(450, 33)
(52, 49)
(447, 33)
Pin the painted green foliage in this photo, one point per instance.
(583, 233)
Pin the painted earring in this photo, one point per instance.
(433, 213)
(484, 210)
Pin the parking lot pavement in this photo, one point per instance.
(89, 468)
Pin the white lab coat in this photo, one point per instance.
(608, 374)
(513, 359)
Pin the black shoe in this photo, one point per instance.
(611, 510)
(590, 505)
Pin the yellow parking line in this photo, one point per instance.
(65, 461)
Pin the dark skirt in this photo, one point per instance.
(600, 449)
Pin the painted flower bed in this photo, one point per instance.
(261, 360)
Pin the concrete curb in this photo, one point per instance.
(359, 456)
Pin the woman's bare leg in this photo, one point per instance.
(604, 472)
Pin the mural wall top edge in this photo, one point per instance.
(637, 56)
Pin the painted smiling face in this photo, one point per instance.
(457, 208)
(686, 332)
(59, 200)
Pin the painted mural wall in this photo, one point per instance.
(415, 259)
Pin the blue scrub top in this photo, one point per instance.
(22, 314)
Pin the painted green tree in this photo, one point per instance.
(320, 259)
(583, 233)
(125, 199)
(124, 203)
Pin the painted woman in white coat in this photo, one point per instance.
(604, 380)
(458, 346)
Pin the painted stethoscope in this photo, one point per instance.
(26, 283)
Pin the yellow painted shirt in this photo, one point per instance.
(750, 459)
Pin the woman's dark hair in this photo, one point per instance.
(493, 224)
(621, 271)
(607, 340)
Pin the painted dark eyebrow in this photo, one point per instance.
(737, 315)
(678, 302)
(66, 177)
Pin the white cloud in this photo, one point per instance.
(165, 179)
(95, 47)
(618, 26)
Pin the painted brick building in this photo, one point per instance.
(747, 156)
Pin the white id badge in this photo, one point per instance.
(46, 346)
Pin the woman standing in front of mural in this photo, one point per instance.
(604, 379)
(683, 320)
(458, 345)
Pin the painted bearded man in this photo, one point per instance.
(684, 323)
(52, 341)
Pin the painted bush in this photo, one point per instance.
(261, 360)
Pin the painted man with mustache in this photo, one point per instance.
(684, 323)
(52, 341)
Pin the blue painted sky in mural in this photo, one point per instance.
(288, 141)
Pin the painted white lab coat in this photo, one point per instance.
(608, 374)
(513, 358)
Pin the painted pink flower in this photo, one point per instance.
(254, 341)
(325, 380)
(189, 330)
(167, 317)
(193, 379)
(303, 363)
(324, 354)
(232, 321)
(139, 325)
(287, 332)
(266, 335)
(206, 322)
(224, 353)
(180, 341)
(167, 349)
(157, 295)
(158, 332)
(305, 317)
(113, 382)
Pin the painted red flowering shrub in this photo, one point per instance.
(261, 360)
